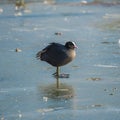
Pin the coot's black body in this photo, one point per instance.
(57, 54)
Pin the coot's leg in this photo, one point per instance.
(57, 77)
(57, 74)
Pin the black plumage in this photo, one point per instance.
(57, 54)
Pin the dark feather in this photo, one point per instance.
(56, 54)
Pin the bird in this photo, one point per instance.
(58, 54)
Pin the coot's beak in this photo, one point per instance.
(75, 46)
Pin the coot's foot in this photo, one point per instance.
(63, 75)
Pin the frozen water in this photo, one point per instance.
(27, 87)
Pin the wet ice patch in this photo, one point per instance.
(119, 41)
(18, 14)
(106, 66)
(45, 110)
(1, 10)
(3, 91)
(22, 29)
(113, 109)
(113, 16)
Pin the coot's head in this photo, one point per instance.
(70, 45)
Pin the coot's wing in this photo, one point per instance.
(56, 54)
(45, 50)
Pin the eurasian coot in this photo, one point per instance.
(57, 54)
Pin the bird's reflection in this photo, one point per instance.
(63, 92)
